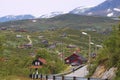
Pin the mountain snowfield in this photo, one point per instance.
(13, 17)
(109, 8)
(80, 10)
(22, 17)
(111, 12)
(52, 14)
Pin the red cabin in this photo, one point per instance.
(75, 59)
(38, 63)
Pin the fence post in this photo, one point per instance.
(88, 78)
(62, 77)
(74, 78)
(46, 77)
(53, 77)
(35, 76)
(41, 77)
(32, 76)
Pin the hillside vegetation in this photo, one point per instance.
(50, 38)
(16, 60)
(66, 20)
(109, 54)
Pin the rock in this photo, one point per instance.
(102, 73)
(109, 74)
(99, 71)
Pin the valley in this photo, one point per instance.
(53, 39)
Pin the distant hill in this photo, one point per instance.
(13, 18)
(109, 8)
(66, 20)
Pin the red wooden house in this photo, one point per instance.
(75, 59)
(38, 63)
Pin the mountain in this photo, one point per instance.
(79, 10)
(52, 14)
(13, 18)
(62, 21)
(109, 8)
(23, 17)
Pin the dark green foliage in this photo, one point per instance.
(109, 54)
(113, 46)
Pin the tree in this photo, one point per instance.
(112, 50)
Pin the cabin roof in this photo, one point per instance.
(79, 56)
(42, 60)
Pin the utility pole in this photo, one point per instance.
(89, 50)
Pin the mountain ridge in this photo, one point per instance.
(17, 17)
(109, 8)
(67, 20)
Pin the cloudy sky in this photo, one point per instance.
(40, 7)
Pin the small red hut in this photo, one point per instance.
(38, 63)
(75, 59)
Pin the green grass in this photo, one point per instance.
(19, 60)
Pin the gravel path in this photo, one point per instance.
(82, 72)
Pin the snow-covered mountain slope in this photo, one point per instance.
(109, 8)
(52, 14)
(80, 10)
(18, 17)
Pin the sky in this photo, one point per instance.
(41, 7)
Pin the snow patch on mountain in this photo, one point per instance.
(52, 14)
(79, 10)
(110, 14)
(117, 9)
(82, 9)
(17, 17)
(108, 10)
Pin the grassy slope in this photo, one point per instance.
(67, 20)
(22, 56)
(12, 53)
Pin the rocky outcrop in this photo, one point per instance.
(109, 74)
(103, 73)
(99, 71)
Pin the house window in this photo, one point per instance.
(37, 63)
(72, 58)
(67, 61)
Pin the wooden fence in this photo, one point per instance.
(53, 77)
